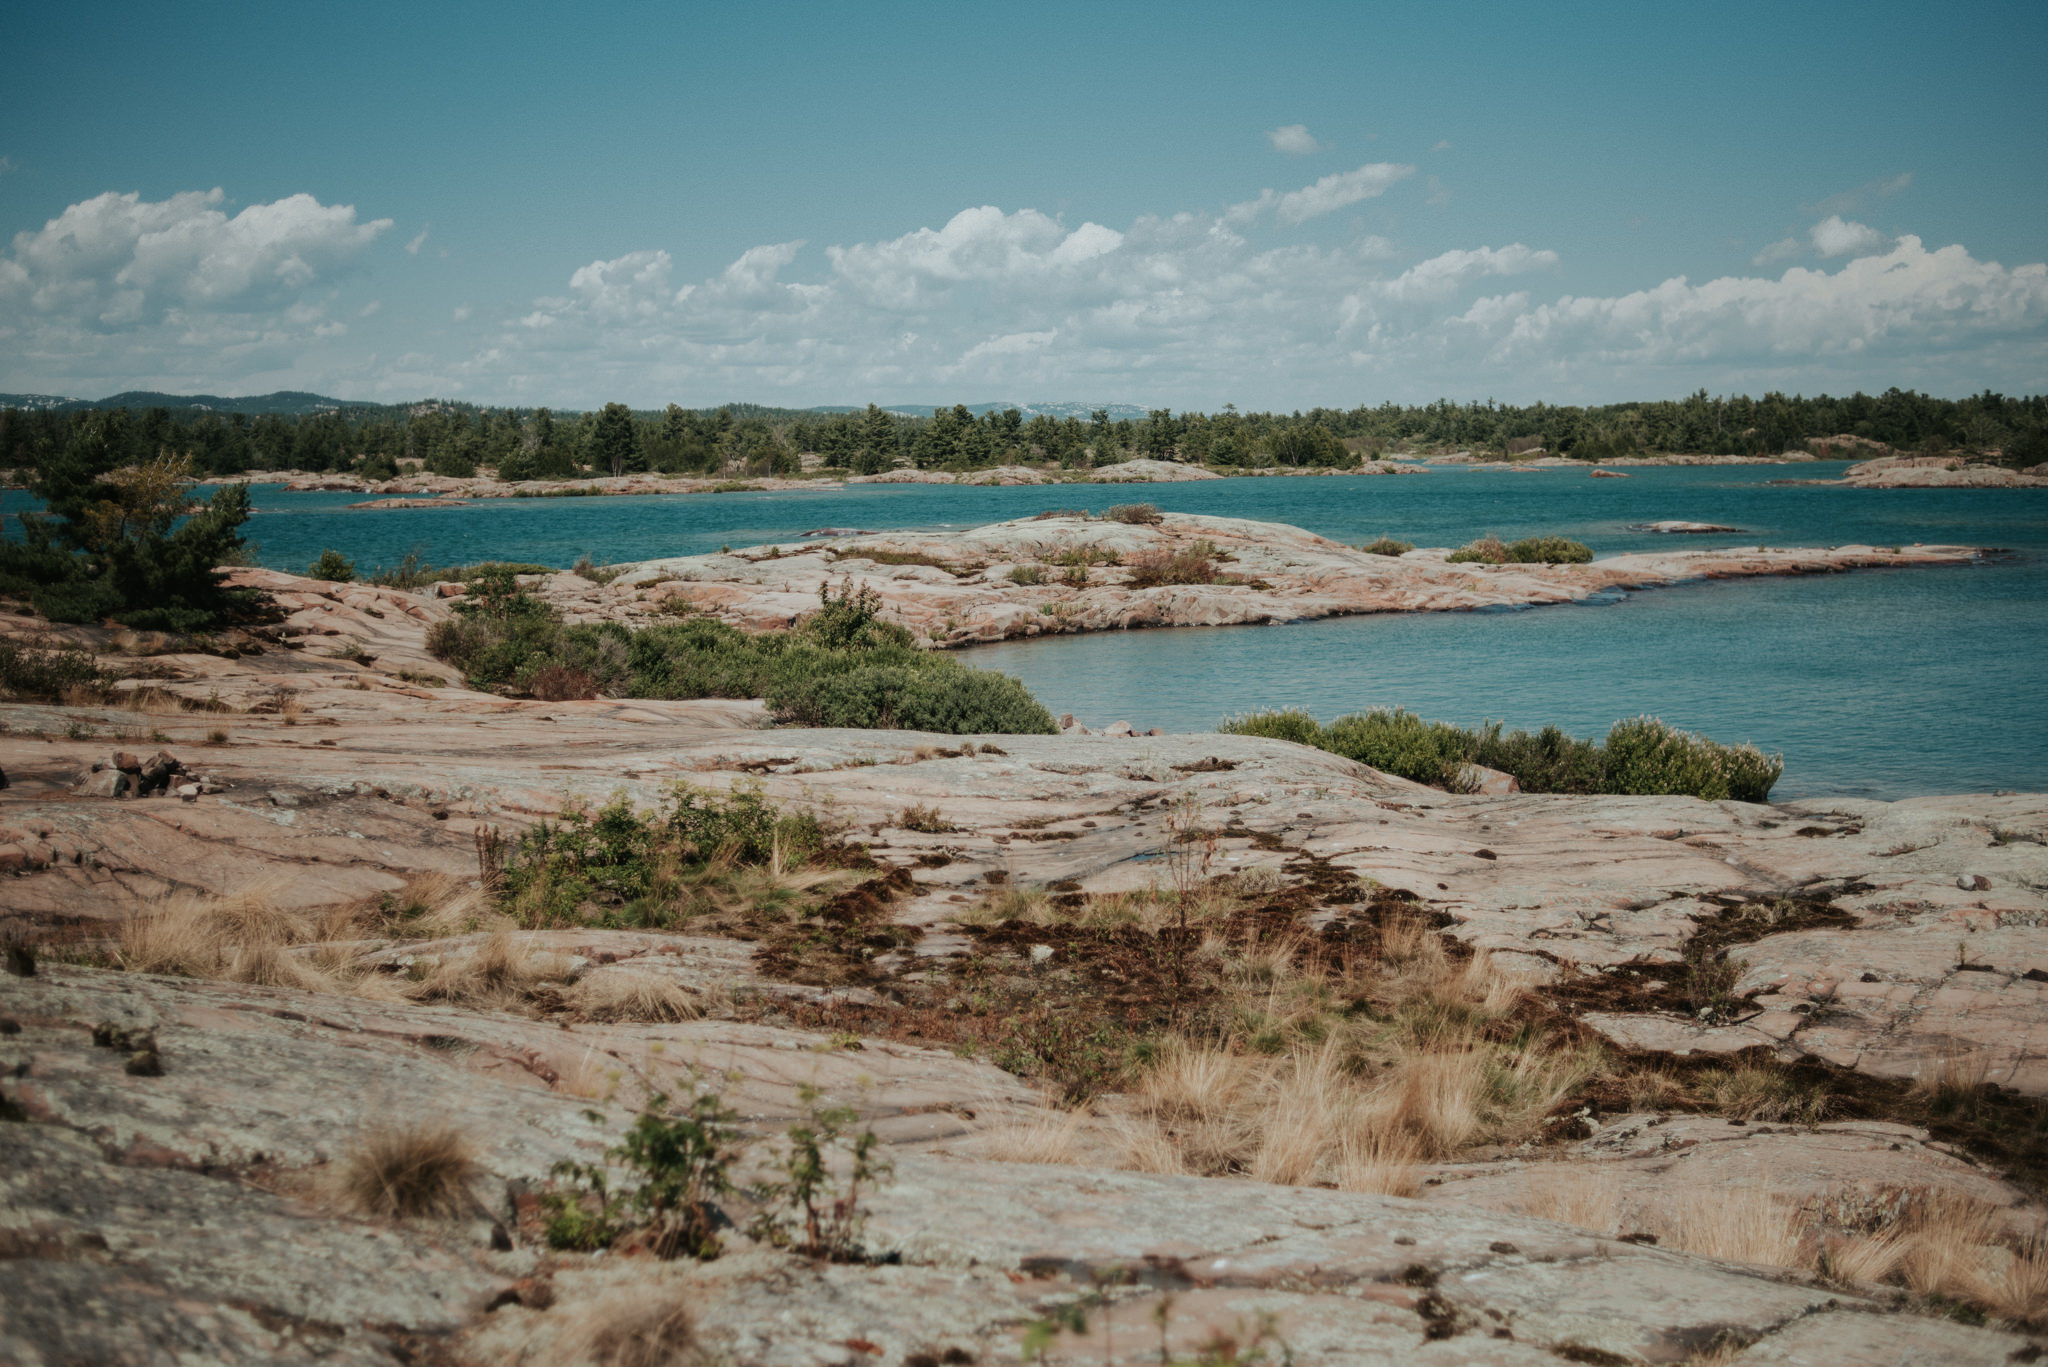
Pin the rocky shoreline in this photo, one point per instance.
(1061, 573)
(188, 1203)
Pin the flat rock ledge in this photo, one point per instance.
(1062, 573)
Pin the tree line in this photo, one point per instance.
(746, 440)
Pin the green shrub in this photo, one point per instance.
(1026, 574)
(1487, 550)
(811, 1208)
(1193, 564)
(334, 567)
(1641, 756)
(1534, 550)
(1549, 550)
(1136, 514)
(842, 666)
(1386, 545)
(678, 1166)
(45, 670)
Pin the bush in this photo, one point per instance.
(560, 683)
(1534, 550)
(1026, 574)
(1641, 756)
(678, 1164)
(1549, 550)
(333, 567)
(842, 666)
(1195, 564)
(1386, 545)
(46, 670)
(1136, 514)
(1487, 550)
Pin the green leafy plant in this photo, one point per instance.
(46, 669)
(677, 1166)
(332, 566)
(1640, 756)
(810, 1208)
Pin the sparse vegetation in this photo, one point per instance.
(1641, 755)
(809, 1207)
(48, 669)
(677, 1165)
(1191, 564)
(841, 666)
(410, 1172)
(1135, 514)
(1386, 545)
(1535, 550)
(332, 566)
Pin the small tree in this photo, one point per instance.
(615, 442)
(125, 543)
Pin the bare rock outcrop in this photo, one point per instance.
(1069, 573)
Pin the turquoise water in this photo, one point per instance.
(1878, 684)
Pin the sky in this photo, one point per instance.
(1182, 205)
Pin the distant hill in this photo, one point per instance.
(291, 403)
(286, 403)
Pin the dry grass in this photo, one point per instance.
(1749, 1225)
(1573, 1194)
(499, 973)
(409, 1172)
(238, 938)
(1304, 1088)
(626, 1326)
(628, 996)
(1048, 1138)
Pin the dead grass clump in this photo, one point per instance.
(1134, 514)
(627, 996)
(1750, 1092)
(237, 937)
(430, 906)
(624, 1327)
(1574, 1195)
(1381, 1163)
(1193, 564)
(500, 973)
(1048, 1138)
(1749, 1225)
(409, 1173)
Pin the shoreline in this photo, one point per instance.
(1060, 574)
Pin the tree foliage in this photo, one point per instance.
(124, 541)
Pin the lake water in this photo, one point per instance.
(1880, 684)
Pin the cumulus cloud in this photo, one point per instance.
(1188, 309)
(1902, 299)
(1832, 236)
(1293, 139)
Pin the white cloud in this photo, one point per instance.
(1784, 249)
(1190, 309)
(1834, 237)
(151, 288)
(1326, 196)
(412, 248)
(371, 309)
(1439, 193)
(1905, 300)
(1293, 139)
(461, 313)
(1440, 145)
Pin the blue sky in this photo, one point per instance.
(1185, 204)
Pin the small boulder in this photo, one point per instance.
(104, 783)
(1477, 778)
(125, 761)
(1973, 882)
(1117, 728)
(189, 791)
(280, 798)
